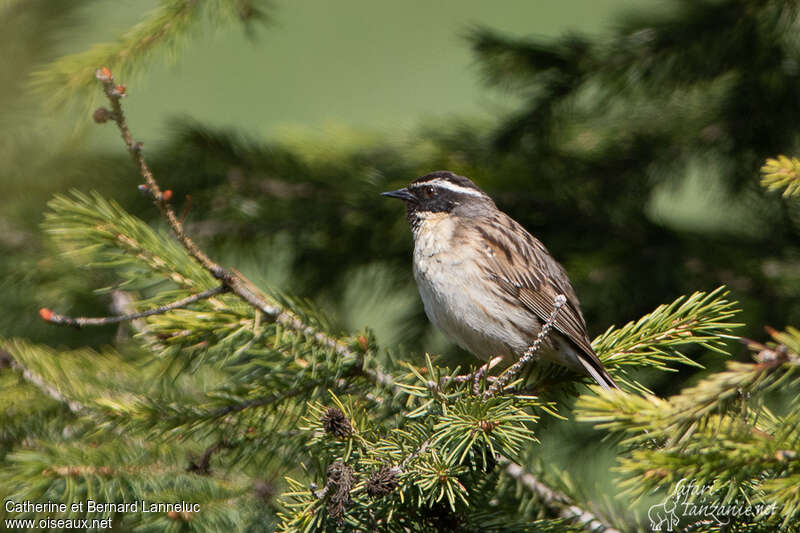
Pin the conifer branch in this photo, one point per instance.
(202, 464)
(169, 25)
(265, 400)
(123, 468)
(55, 318)
(674, 420)
(230, 279)
(782, 173)
(702, 318)
(556, 502)
(717, 432)
(35, 380)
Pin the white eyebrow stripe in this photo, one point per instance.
(444, 184)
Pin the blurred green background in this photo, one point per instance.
(320, 66)
(626, 135)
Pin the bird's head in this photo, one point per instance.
(440, 192)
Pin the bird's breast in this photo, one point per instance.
(457, 297)
(438, 268)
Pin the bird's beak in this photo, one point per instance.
(403, 194)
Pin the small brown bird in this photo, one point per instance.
(486, 282)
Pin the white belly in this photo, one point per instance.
(456, 300)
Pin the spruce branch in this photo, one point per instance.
(711, 432)
(123, 468)
(232, 280)
(169, 25)
(443, 463)
(100, 232)
(782, 172)
(85, 379)
(55, 318)
(655, 339)
(202, 465)
(673, 420)
(36, 380)
(554, 501)
(263, 401)
(442, 460)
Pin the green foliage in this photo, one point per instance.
(653, 340)
(100, 234)
(429, 470)
(167, 27)
(218, 372)
(719, 433)
(25, 413)
(450, 439)
(782, 173)
(116, 470)
(83, 455)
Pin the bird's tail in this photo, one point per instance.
(599, 374)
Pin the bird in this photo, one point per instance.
(486, 282)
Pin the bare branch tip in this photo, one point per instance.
(104, 75)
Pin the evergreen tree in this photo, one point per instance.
(254, 405)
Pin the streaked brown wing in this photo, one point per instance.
(524, 269)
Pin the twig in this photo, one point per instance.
(515, 369)
(38, 382)
(697, 525)
(264, 401)
(202, 466)
(231, 279)
(419, 451)
(55, 318)
(475, 377)
(186, 209)
(555, 501)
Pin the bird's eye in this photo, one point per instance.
(430, 192)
